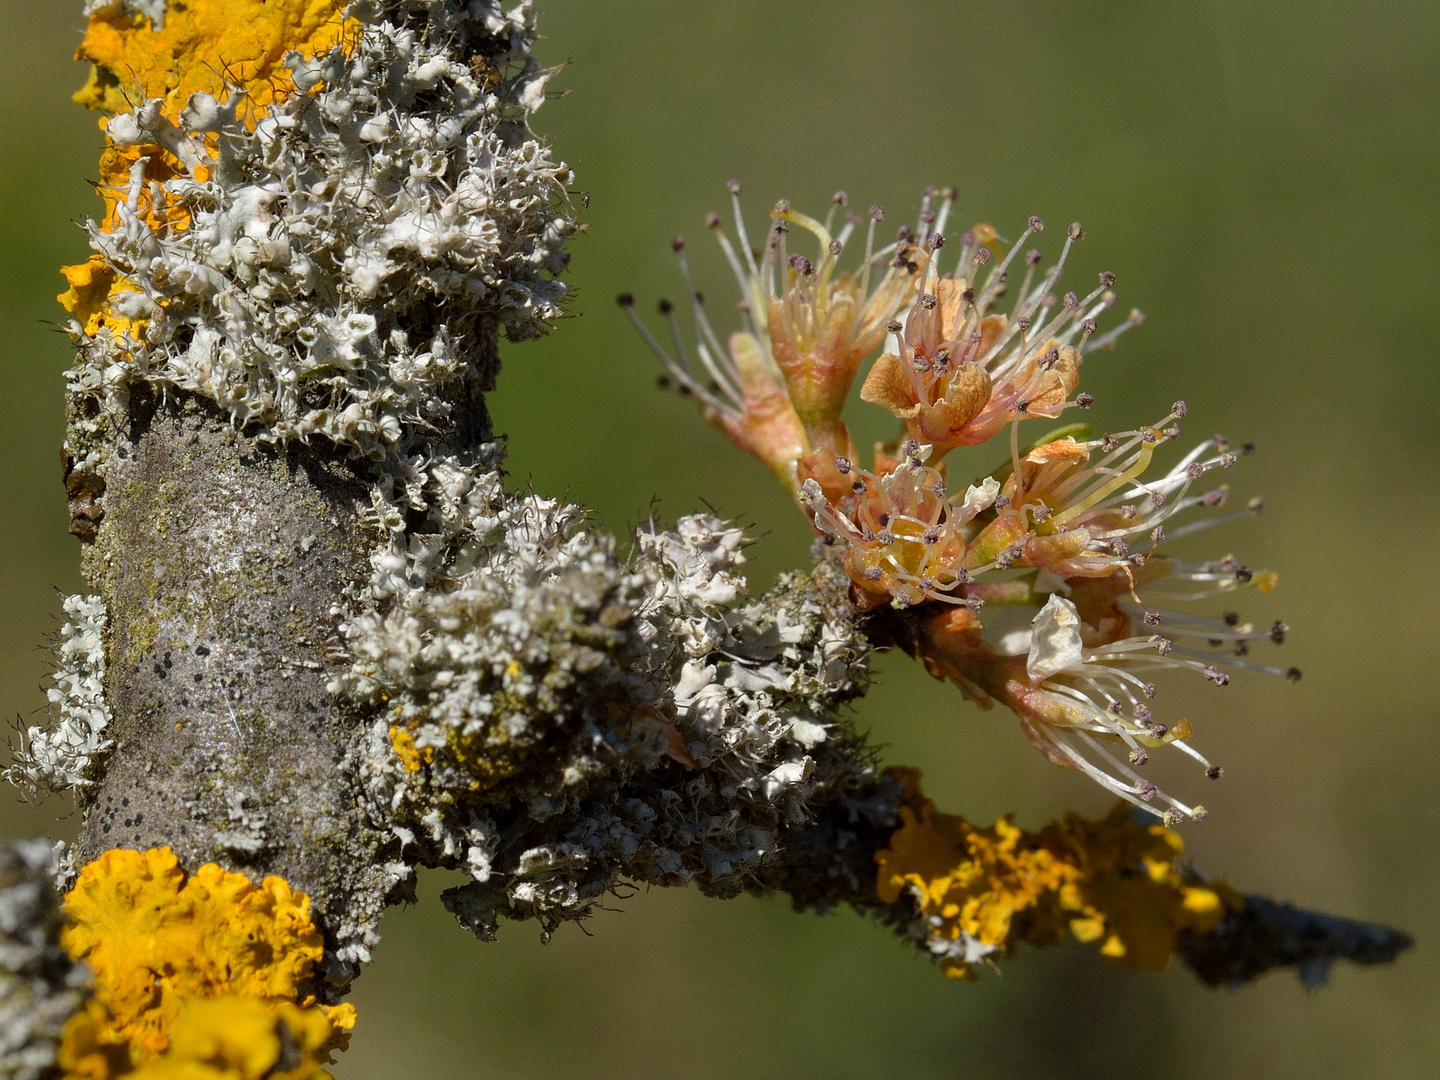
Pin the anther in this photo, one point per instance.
(1142, 714)
(982, 256)
(1162, 644)
(1036, 225)
(836, 247)
(1033, 257)
(678, 244)
(1228, 461)
(894, 326)
(858, 487)
(1107, 279)
(712, 220)
(1214, 772)
(1171, 818)
(1076, 232)
(932, 535)
(1218, 677)
(1195, 470)
(968, 295)
(1149, 689)
(1023, 323)
(927, 216)
(1070, 300)
(936, 241)
(665, 306)
(1278, 631)
(843, 466)
(782, 206)
(1138, 756)
(733, 186)
(802, 265)
(839, 198)
(1157, 499)
(877, 212)
(884, 520)
(1152, 618)
(664, 382)
(938, 489)
(874, 573)
(625, 300)
(927, 301)
(1243, 574)
(1293, 674)
(1085, 400)
(885, 536)
(1089, 325)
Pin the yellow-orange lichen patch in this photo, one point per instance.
(205, 46)
(1111, 881)
(411, 756)
(156, 941)
(239, 1039)
(89, 286)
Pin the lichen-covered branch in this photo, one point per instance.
(323, 645)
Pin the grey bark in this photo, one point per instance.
(221, 565)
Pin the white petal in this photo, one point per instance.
(1055, 644)
(977, 498)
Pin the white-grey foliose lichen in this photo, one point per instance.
(40, 986)
(69, 752)
(154, 10)
(347, 257)
(554, 719)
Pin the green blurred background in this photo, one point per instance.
(1261, 177)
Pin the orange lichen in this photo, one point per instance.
(90, 284)
(157, 942)
(205, 46)
(410, 755)
(1110, 881)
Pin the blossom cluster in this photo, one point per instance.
(1049, 584)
